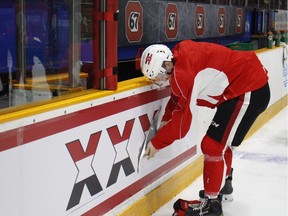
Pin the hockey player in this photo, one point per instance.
(210, 75)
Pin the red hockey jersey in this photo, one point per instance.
(205, 74)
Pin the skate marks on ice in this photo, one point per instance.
(260, 157)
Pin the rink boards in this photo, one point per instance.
(80, 156)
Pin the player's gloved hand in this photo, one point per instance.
(150, 150)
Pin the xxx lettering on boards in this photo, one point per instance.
(87, 176)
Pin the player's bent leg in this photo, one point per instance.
(213, 166)
(213, 173)
(212, 148)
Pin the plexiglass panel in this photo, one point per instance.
(45, 49)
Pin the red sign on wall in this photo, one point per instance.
(199, 20)
(134, 21)
(239, 20)
(221, 20)
(171, 21)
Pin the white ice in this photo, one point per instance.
(260, 174)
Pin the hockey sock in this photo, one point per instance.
(228, 160)
(213, 166)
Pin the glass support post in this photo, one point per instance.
(75, 42)
(103, 45)
(20, 41)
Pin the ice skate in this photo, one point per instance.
(227, 189)
(181, 206)
(207, 207)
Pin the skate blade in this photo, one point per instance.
(227, 198)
